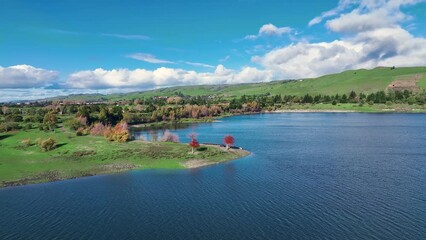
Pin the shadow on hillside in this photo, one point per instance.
(60, 145)
(5, 136)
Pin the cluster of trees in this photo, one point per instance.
(372, 98)
(83, 118)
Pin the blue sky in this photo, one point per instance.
(54, 47)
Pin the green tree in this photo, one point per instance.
(50, 120)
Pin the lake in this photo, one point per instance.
(310, 176)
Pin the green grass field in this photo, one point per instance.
(362, 80)
(89, 155)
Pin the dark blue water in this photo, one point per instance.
(311, 176)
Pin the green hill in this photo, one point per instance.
(362, 80)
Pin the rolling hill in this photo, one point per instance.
(362, 80)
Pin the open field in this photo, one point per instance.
(90, 155)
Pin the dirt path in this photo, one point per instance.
(408, 83)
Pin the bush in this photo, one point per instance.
(26, 142)
(43, 127)
(120, 133)
(9, 126)
(28, 126)
(48, 144)
(79, 132)
(98, 129)
(169, 137)
(76, 123)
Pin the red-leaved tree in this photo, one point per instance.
(229, 141)
(194, 144)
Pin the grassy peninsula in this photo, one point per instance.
(77, 156)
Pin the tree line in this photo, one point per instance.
(83, 117)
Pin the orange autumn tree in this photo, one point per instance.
(120, 133)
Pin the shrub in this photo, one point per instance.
(8, 126)
(43, 127)
(76, 123)
(79, 132)
(98, 129)
(120, 133)
(28, 126)
(48, 144)
(169, 137)
(26, 142)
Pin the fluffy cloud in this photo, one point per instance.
(162, 77)
(371, 37)
(343, 4)
(366, 15)
(25, 76)
(270, 30)
(148, 58)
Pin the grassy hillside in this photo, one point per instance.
(362, 80)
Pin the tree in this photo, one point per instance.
(5, 110)
(48, 144)
(50, 120)
(169, 137)
(229, 141)
(194, 144)
(120, 133)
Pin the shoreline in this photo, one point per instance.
(198, 163)
(312, 111)
(302, 109)
(206, 155)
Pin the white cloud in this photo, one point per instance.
(25, 76)
(358, 15)
(343, 5)
(148, 58)
(163, 77)
(379, 47)
(270, 30)
(371, 37)
(196, 64)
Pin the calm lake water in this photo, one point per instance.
(311, 176)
